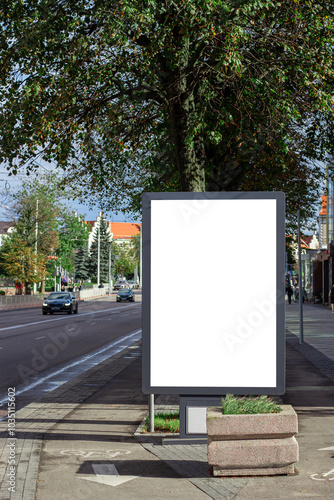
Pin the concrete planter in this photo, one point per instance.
(258, 444)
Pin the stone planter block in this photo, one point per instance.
(257, 426)
(259, 444)
(253, 453)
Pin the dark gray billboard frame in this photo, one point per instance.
(147, 198)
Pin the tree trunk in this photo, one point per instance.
(189, 150)
(188, 147)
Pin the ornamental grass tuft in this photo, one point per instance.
(245, 405)
(164, 422)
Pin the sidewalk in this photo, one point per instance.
(78, 441)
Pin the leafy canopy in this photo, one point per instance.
(171, 95)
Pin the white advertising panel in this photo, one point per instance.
(213, 267)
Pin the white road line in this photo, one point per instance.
(37, 338)
(99, 354)
(60, 318)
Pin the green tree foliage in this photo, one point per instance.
(166, 94)
(82, 264)
(43, 227)
(23, 263)
(126, 263)
(34, 238)
(105, 243)
(73, 234)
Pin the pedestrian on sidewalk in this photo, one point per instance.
(290, 292)
(332, 298)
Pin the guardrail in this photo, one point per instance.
(22, 301)
(91, 293)
(19, 301)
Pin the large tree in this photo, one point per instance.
(186, 95)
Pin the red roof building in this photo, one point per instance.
(124, 230)
(120, 231)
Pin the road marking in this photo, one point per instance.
(100, 354)
(62, 317)
(325, 449)
(108, 474)
(324, 476)
(87, 454)
(37, 338)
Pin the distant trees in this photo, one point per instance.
(82, 265)
(73, 233)
(101, 232)
(43, 227)
(126, 263)
(26, 249)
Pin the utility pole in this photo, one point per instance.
(140, 259)
(98, 254)
(109, 268)
(301, 328)
(36, 236)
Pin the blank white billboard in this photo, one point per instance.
(210, 294)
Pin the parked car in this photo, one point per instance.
(133, 284)
(121, 284)
(125, 295)
(60, 302)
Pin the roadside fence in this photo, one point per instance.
(20, 301)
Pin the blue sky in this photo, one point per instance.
(12, 183)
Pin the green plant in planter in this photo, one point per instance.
(246, 405)
(2, 292)
(164, 422)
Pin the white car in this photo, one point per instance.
(133, 284)
(121, 284)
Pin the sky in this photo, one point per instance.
(9, 184)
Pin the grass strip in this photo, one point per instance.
(164, 422)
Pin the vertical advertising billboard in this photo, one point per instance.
(213, 293)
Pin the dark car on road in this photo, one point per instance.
(125, 295)
(60, 302)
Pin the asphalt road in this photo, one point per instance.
(38, 352)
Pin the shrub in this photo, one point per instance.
(2, 292)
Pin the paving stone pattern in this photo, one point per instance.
(189, 460)
(37, 418)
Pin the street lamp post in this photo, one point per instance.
(301, 329)
(36, 236)
(109, 268)
(98, 255)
